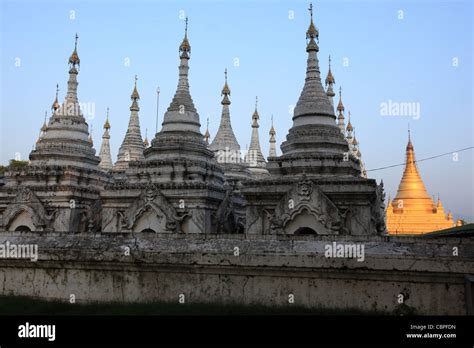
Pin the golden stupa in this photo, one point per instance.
(413, 211)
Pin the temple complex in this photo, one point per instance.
(183, 215)
(413, 211)
(183, 181)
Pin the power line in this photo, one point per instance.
(421, 160)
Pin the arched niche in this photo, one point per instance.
(22, 219)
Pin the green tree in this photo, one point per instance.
(14, 164)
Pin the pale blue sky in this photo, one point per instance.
(403, 60)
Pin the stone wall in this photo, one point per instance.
(204, 268)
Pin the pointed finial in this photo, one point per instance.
(44, 127)
(56, 104)
(207, 135)
(255, 115)
(185, 47)
(135, 94)
(312, 32)
(225, 90)
(272, 131)
(74, 58)
(145, 142)
(330, 80)
(107, 124)
(349, 124)
(409, 145)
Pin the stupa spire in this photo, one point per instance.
(146, 143)
(56, 104)
(254, 157)
(330, 81)
(225, 140)
(340, 114)
(181, 114)
(349, 130)
(413, 210)
(67, 141)
(71, 96)
(104, 154)
(272, 152)
(132, 146)
(411, 186)
(314, 105)
(207, 135)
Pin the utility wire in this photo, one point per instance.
(421, 160)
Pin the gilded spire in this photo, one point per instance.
(56, 104)
(107, 124)
(330, 78)
(413, 211)
(71, 95)
(411, 185)
(145, 142)
(225, 91)
(185, 47)
(354, 141)
(340, 106)
(312, 32)
(135, 95)
(272, 130)
(207, 135)
(349, 125)
(74, 58)
(340, 116)
(330, 81)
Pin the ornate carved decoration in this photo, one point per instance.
(152, 199)
(27, 201)
(306, 198)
